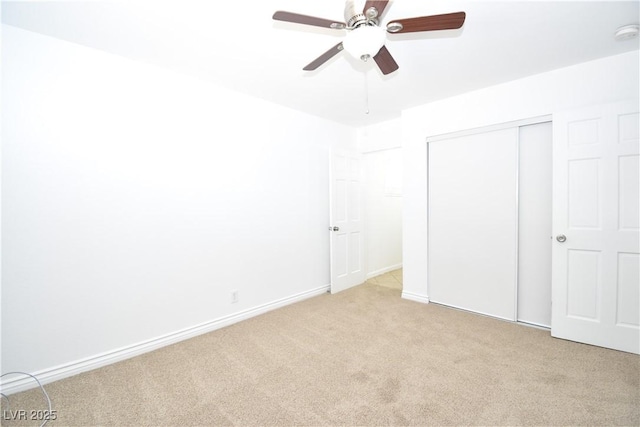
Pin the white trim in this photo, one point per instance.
(534, 325)
(482, 313)
(378, 150)
(428, 261)
(411, 296)
(10, 386)
(383, 271)
(491, 128)
(516, 279)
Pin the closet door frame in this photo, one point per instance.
(481, 130)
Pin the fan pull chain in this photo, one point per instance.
(366, 93)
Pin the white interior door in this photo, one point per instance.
(347, 237)
(473, 222)
(534, 224)
(596, 226)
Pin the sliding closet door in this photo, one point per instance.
(473, 222)
(534, 230)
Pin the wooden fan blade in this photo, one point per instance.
(447, 21)
(380, 5)
(385, 61)
(296, 18)
(324, 57)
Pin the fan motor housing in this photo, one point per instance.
(360, 20)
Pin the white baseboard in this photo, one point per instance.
(383, 271)
(415, 297)
(20, 383)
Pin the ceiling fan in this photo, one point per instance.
(365, 38)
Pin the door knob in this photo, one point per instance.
(561, 238)
(334, 228)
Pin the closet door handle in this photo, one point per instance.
(561, 238)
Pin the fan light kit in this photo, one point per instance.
(366, 38)
(364, 42)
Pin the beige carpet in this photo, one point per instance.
(361, 357)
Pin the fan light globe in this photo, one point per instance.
(364, 42)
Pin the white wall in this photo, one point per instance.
(381, 145)
(135, 200)
(596, 82)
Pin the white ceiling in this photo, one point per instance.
(237, 44)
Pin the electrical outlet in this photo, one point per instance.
(234, 297)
